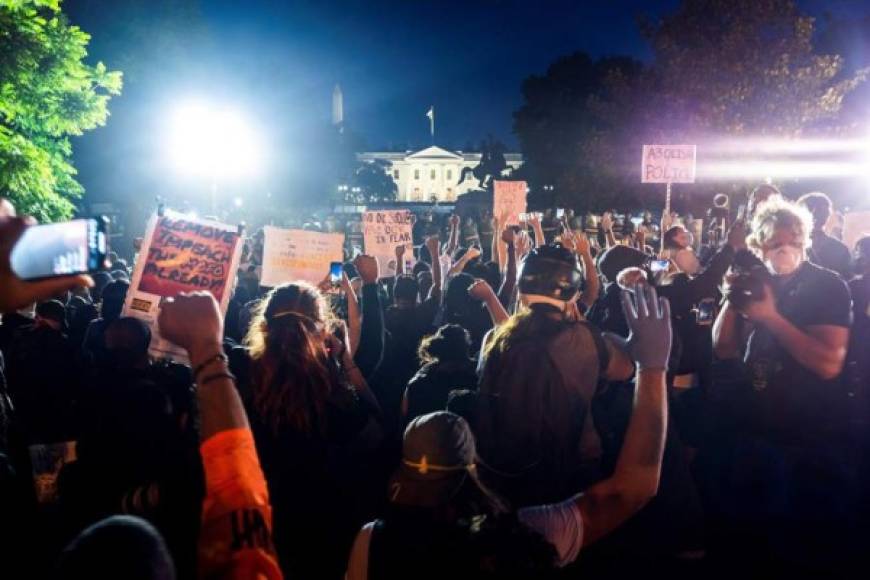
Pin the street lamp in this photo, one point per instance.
(213, 143)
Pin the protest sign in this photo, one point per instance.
(383, 232)
(855, 226)
(298, 255)
(181, 254)
(668, 164)
(509, 198)
(46, 461)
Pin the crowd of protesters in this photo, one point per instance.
(524, 401)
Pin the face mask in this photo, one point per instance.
(783, 260)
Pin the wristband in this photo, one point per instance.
(218, 357)
(216, 376)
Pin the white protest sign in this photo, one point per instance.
(668, 164)
(509, 198)
(298, 255)
(383, 231)
(181, 254)
(855, 226)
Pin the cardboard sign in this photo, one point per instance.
(383, 232)
(290, 255)
(181, 254)
(856, 225)
(668, 164)
(509, 197)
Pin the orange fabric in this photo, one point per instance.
(236, 536)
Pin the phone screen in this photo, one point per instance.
(335, 273)
(560, 213)
(49, 250)
(706, 309)
(658, 266)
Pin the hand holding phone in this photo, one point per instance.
(16, 292)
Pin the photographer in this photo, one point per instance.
(784, 410)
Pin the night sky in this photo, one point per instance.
(393, 58)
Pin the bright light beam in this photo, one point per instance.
(215, 143)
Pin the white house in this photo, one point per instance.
(432, 174)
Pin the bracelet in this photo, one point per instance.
(216, 376)
(201, 367)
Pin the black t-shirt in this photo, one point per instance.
(789, 402)
(830, 253)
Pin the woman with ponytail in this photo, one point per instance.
(314, 421)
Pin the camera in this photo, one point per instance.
(747, 286)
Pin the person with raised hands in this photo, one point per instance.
(236, 503)
(443, 513)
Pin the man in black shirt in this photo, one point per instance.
(826, 251)
(785, 480)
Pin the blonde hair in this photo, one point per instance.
(777, 213)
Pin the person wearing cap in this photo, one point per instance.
(443, 521)
(540, 370)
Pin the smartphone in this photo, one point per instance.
(657, 266)
(741, 212)
(50, 250)
(706, 311)
(335, 269)
(560, 213)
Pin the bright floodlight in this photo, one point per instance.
(212, 142)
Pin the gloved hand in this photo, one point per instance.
(649, 319)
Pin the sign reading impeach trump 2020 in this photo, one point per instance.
(290, 255)
(181, 254)
(668, 164)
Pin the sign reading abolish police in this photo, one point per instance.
(668, 164)
(383, 232)
(298, 255)
(181, 254)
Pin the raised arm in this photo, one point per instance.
(607, 227)
(535, 222)
(482, 291)
(453, 241)
(371, 346)
(608, 504)
(236, 497)
(354, 319)
(509, 282)
(434, 247)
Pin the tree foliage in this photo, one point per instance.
(47, 95)
(720, 68)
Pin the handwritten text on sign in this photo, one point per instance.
(290, 255)
(181, 254)
(509, 199)
(383, 231)
(185, 256)
(668, 164)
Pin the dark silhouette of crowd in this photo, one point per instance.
(550, 397)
